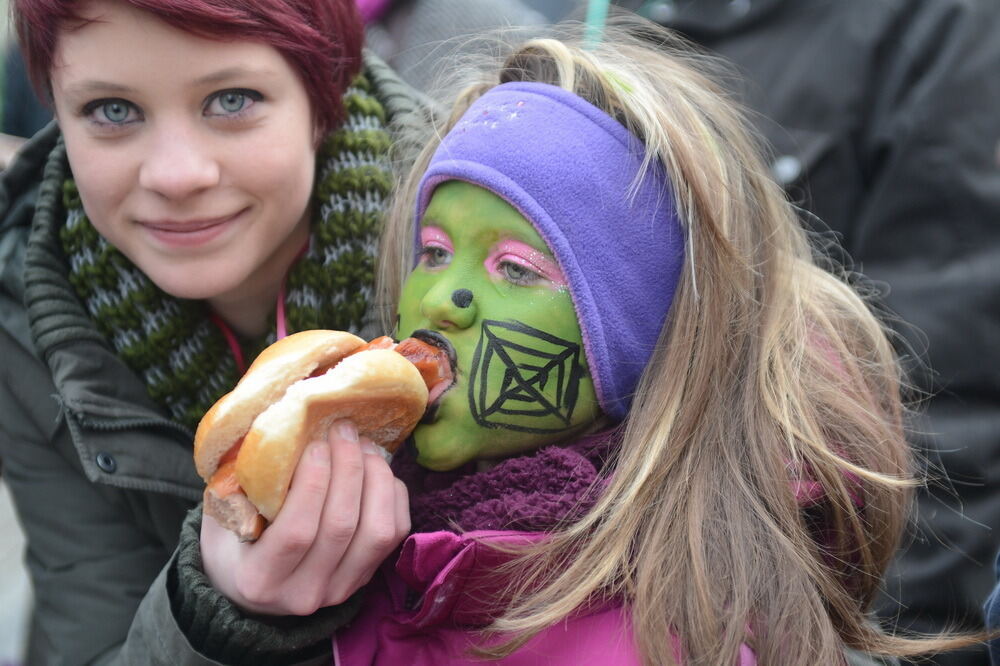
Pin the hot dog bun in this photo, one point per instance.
(282, 404)
(276, 368)
(379, 390)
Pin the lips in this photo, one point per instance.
(188, 233)
(435, 339)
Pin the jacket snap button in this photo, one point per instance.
(660, 11)
(106, 462)
(786, 169)
(739, 7)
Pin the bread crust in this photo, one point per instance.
(278, 407)
(379, 390)
(276, 368)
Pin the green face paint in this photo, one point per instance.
(487, 283)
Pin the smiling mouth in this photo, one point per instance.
(435, 339)
(189, 226)
(189, 232)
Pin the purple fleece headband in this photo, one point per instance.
(569, 168)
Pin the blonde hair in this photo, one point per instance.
(770, 371)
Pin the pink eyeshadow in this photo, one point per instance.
(527, 256)
(436, 237)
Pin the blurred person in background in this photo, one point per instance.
(23, 112)
(420, 39)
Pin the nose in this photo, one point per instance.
(462, 298)
(447, 307)
(179, 162)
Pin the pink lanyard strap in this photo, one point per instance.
(280, 322)
(234, 344)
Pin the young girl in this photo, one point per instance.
(672, 437)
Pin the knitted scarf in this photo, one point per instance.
(535, 492)
(172, 344)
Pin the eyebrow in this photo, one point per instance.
(96, 85)
(230, 73)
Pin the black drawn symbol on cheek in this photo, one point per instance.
(524, 379)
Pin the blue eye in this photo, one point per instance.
(517, 274)
(112, 112)
(433, 256)
(116, 112)
(231, 102)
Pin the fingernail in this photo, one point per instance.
(320, 452)
(369, 447)
(347, 430)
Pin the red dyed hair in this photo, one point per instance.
(321, 39)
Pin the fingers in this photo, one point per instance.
(306, 588)
(380, 528)
(345, 512)
(403, 524)
(284, 544)
(342, 508)
(218, 549)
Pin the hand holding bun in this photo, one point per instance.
(345, 512)
(248, 444)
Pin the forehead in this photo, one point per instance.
(473, 213)
(123, 41)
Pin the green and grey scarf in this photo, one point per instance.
(173, 345)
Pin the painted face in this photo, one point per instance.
(194, 157)
(487, 282)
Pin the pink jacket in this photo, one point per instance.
(424, 611)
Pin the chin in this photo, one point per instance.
(192, 285)
(441, 458)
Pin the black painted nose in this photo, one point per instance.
(461, 297)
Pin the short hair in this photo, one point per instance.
(320, 39)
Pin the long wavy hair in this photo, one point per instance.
(763, 479)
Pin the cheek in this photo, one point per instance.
(415, 290)
(539, 307)
(277, 167)
(409, 300)
(104, 179)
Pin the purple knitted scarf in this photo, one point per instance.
(531, 493)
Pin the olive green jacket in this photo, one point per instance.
(102, 479)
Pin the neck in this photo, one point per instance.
(247, 308)
(247, 314)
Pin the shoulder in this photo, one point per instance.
(20, 180)
(410, 114)
(403, 103)
(19, 185)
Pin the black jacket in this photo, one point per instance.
(884, 117)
